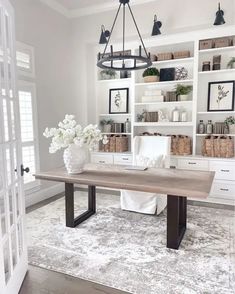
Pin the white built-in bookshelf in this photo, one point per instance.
(196, 106)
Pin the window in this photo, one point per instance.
(28, 112)
(25, 60)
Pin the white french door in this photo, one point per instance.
(13, 251)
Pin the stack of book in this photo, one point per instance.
(153, 96)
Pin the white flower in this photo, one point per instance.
(69, 132)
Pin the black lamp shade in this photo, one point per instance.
(156, 27)
(104, 35)
(219, 19)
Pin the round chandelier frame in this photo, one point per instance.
(123, 58)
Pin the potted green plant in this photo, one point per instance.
(151, 75)
(108, 74)
(106, 125)
(231, 63)
(182, 92)
(230, 122)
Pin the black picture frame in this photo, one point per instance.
(214, 103)
(123, 95)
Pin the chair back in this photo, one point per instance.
(152, 147)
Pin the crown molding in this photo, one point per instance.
(94, 9)
(53, 4)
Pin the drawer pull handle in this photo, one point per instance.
(192, 163)
(222, 189)
(125, 158)
(101, 161)
(225, 170)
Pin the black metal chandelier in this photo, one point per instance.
(124, 60)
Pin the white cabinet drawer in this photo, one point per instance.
(193, 164)
(123, 159)
(223, 189)
(224, 170)
(102, 158)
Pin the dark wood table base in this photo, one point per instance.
(176, 214)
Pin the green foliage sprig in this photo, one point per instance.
(183, 90)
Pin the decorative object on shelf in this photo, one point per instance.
(170, 96)
(219, 19)
(231, 63)
(221, 96)
(117, 128)
(184, 116)
(175, 115)
(206, 66)
(140, 117)
(76, 141)
(124, 74)
(106, 125)
(151, 96)
(230, 122)
(151, 116)
(181, 73)
(219, 128)
(218, 146)
(164, 56)
(151, 75)
(140, 61)
(181, 145)
(201, 127)
(167, 74)
(121, 144)
(181, 54)
(209, 127)
(205, 44)
(156, 26)
(118, 100)
(108, 74)
(153, 57)
(182, 92)
(104, 35)
(127, 126)
(216, 62)
(112, 144)
(222, 42)
(162, 116)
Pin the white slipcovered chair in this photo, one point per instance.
(149, 151)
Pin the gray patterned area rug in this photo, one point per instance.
(128, 251)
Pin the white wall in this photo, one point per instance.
(49, 33)
(180, 15)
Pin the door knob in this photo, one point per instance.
(23, 170)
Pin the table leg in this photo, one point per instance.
(176, 220)
(69, 205)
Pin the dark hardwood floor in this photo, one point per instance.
(41, 281)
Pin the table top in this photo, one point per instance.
(187, 183)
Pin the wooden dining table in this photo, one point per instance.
(176, 184)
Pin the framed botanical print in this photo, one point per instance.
(118, 100)
(221, 96)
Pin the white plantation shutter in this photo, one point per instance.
(28, 119)
(25, 60)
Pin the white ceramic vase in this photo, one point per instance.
(75, 158)
(183, 97)
(231, 129)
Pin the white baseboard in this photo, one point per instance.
(43, 194)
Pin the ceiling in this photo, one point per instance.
(77, 8)
(78, 4)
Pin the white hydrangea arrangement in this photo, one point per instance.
(69, 132)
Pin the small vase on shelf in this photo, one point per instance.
(232, 129)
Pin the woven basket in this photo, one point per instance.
(222, 42)
(222, 146)
(112, 144)
(121, 144)
(164, 56)
(205, 44)
(181, 54)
